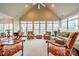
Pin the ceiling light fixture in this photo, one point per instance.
(41, 4)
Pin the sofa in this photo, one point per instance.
(64, 37)
(10, 49)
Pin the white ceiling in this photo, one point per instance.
(14, 9)
(18, 9)
(2, 15)
(65, 9)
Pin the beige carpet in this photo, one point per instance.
(35, 47)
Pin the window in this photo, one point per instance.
(64, 25)
(1, 28)
(23, 28)
(29, 27)
(55, 27)
(11, 28)
(76, 24)
(36, 28)
(42, 28)
(70, 25)
(49, 27)
(39, 27)
(8, 27)
(73, 25)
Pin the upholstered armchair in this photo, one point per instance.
(17, 37)
(30, 35)
(47, 36)
(63, 50)
(20, 34)
(38, 36)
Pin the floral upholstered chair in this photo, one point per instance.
(63, 50)
(47, 36)
(30, 35)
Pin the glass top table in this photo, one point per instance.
(7, 41)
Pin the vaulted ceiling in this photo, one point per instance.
(18, 10)
(39, 12)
